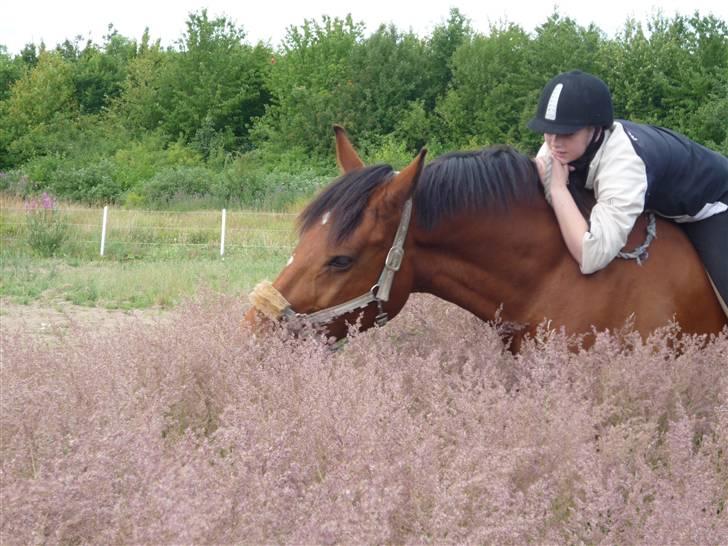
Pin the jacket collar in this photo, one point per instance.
(594, 164)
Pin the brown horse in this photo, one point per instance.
(482, 237)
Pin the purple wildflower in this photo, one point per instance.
(31, 204)
(47, 201)
(190, 430)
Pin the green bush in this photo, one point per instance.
(93, 183)
(140, 160)
(258, 180)
(390, 150)
(47, 230)
(174, 183)
(45, 167)
(16, 182)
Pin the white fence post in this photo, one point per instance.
(222, 234)
(103, 228)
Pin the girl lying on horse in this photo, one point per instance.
(631, 168)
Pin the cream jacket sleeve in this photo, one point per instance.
(619, 179)
(545, 153)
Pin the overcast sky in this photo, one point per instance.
(24, 21)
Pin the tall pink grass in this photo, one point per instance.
(425, 431)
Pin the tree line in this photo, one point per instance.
(214, 116)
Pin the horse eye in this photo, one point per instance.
(341, 262)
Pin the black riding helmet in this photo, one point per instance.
(571, 101)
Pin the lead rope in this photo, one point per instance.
(640, 253)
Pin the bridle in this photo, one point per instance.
(379, 293)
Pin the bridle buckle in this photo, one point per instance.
(394, 258)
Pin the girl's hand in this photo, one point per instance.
(553, 174)
(559, 173)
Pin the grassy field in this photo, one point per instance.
(151, 258)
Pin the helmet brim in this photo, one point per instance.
(543, 126)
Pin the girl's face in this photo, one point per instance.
(568, 148)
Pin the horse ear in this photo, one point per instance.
(403, 185)
(346, 156)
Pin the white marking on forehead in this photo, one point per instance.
(290, 260)
(325, 218)
(553, 103)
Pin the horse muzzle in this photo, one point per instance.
(268, 301)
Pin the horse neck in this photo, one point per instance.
(484, 260)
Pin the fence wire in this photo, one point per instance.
(240, 229)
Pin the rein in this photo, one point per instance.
(640, 253)
(264, 292)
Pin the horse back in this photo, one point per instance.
(670, 280)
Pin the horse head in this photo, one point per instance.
(351, 260)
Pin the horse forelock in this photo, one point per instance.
(345, 200)
(487, 179)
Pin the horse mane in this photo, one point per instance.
(487, 179)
